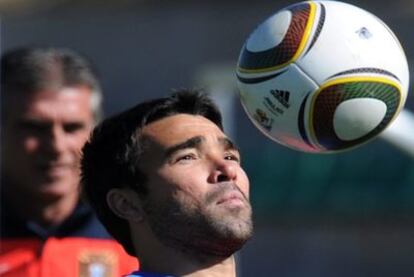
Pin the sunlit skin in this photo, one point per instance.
(197, 211)
(42, 139)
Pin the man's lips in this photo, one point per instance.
(54, 165)
(231, 197)
(56, 168)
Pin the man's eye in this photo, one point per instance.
(73, 127)
(187, 157)
(232, 157)
(34, 126)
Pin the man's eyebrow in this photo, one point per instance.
(189, 143)
(228, 144)
(33, 122)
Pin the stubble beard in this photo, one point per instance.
(201, 230)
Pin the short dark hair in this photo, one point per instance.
(111, 156)
(30, 69)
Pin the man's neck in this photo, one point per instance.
(223, 268)
(157, 258)
(44, 212)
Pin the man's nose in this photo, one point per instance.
(223, 171)
(56, 140)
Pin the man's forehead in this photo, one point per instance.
(72, 102)
(176, 128)
(22, 97)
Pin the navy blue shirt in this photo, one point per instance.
(81, 223)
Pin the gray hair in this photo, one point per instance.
(27, 70)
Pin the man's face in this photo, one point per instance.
(198, 196)
(43, 136)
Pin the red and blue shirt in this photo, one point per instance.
(80, 246)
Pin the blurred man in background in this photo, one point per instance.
(168, 185)
(50, 100)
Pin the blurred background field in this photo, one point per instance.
(349, 214)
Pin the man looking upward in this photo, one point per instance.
(168, 185)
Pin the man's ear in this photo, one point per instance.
(126, 204)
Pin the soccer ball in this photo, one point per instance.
(322, 76)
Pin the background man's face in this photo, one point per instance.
(43, 136)
(198, 193)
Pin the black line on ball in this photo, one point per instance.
(259, 79)
(318, 29)
(301, 122)
(365, 70)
